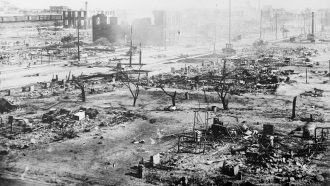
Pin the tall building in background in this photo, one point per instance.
(58, 9)
(169, 24)
(71, 19)
(325, 17)
(107, 27)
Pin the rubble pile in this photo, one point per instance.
(264, 157)
(283, 159)
(118, 117)
(6, 106)
(59, 124)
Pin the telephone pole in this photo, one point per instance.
(276, 24)
(229, 19)
(131, 48)
(140, 55)
(260, 24)
(78, 41)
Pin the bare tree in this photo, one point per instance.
(223, 90)
(82, 88)
(132, 84)
(234, 81)
(172, 96)
(225, 87)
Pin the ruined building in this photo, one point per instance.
(71, 19)
(58, 9)
(168, 24)
(325, 17)
(164, 31)
(104, 27)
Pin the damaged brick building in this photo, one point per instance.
(164, 30)
(108, 27)
(71, 19)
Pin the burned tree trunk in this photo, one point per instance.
(134, 101)
(173, 98)
(186, 96)
(132, 85)
(223, 96)
(225, 103)
(205, 97)
(83, 95)
(294, 107)
(82, 88)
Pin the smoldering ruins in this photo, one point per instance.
(180, 93)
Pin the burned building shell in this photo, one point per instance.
(165, 28)
(73, 19)
(112, 31)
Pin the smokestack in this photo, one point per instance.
(86, 3)
(312, 23)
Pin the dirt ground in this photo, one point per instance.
(105, 155)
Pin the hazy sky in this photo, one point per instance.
(170, 4)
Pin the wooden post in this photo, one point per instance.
(140, 55)
(294, 107)
(186, 96)
(11, 121)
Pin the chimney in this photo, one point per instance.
(86, 3)
(312, 23)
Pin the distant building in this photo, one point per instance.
(58, 9)
(104, 27)
(8, 8)
(164, 30)
(168, 23)
(325, 17)
(71, 19)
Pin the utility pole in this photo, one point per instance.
(164, 23)
(304, 24)
(313, 24)
(260, 24)
(140, 56)
(276, 24)
(78, 41)
(131, 48)
(215, 28)
(163, 35)
(215, 38)
(229, 20)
